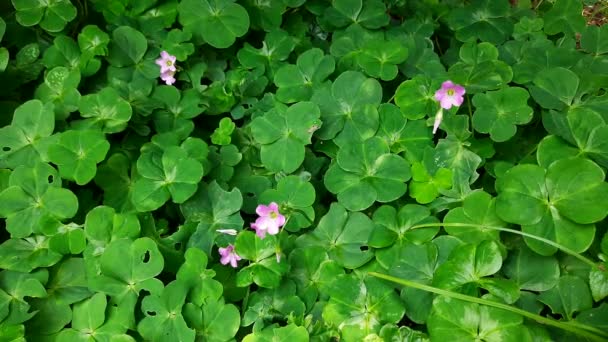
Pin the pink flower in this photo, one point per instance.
(229, 256)
(450, 95)
(168, 77)
(166, 62)
(270, 220)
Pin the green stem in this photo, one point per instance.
(503, 229)
(578, 329)
(470, 115)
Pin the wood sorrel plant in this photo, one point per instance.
(303, 170)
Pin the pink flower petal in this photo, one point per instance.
(274, 207)
(263, 210)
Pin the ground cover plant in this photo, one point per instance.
(303, 170)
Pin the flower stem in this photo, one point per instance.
(508, 230)
(578, 329)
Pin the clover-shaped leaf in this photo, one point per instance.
(290, 332)
(114, 178)
(369, 14)
(487, 20)
(163, 315)
(571, 294)
(34, 200)
(479, 68)
(360, 306)
(14, 287)
(25, 255)
(416, 97)
(295, 195)
(478, 208)
(424, 187)
(265, 269)
(297, 82)
(93, 41)
(497, 112)
(172, 174)
(411, 137)
(128, 266)
(349, 107)
(395, 228)
(176, 44)
(127, 47)
(456, 156)
(214, 321)
(276, 47)
(273, 302)
(105, 110)
(265, 15)
(283, 135)
(52, 16)
(592, 41)
(530, 270)
(457, 320)
(203, 289)
(366, 173)
(77, 154)
(342, 235)
(102, 225)
(212, 208)
(555, 88)
(23, 142)
(89, 317)
(60, 89)
(218, 22)
(222, 134)
(380, 58)
(560, 204)
(565, 16)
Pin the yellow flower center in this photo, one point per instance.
(273, 215)
(169, 63)
(451, 92)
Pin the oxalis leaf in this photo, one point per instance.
(366, 173)
(283, 133)
(561, 203)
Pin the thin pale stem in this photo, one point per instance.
(513, 231)
(578, 329)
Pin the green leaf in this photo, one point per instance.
(163, 315)
(221, 135)
(77, 154)
(457, 320)
(14, 287)
(530, 270)
(283, 135)
(297, 82)
(177, 44)
(276, 47)
(127, 266)
(35, 201)
(393, 227)
(478, 208)
(497, 112)
(296, 197)
(486, 20)
(554, 88)
(469, 264)
(360, 306)
(411, 137)
(380, 58)
(23, 142)
(214, 321)
(570, 295)
(593, 39)
(52, 16)
(424, 187)
(218, 22)
(565, 16)
(416, 97)
(370, 14)
(560, 204)
(212, 208)
(278, 302)
(348, 108)
(265, 269)
(479, 68)
(265, 15)
(106, 110)
(598, 282)
(456, 156)
(25, 255)
(114, 178)
(173, 174)
(193, 273)
(366, 173)
(93, 41)
(273, 333)
(60, 89)
(127, 47)
(342, 235)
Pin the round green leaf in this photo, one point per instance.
(497, 112)
(218, 22)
